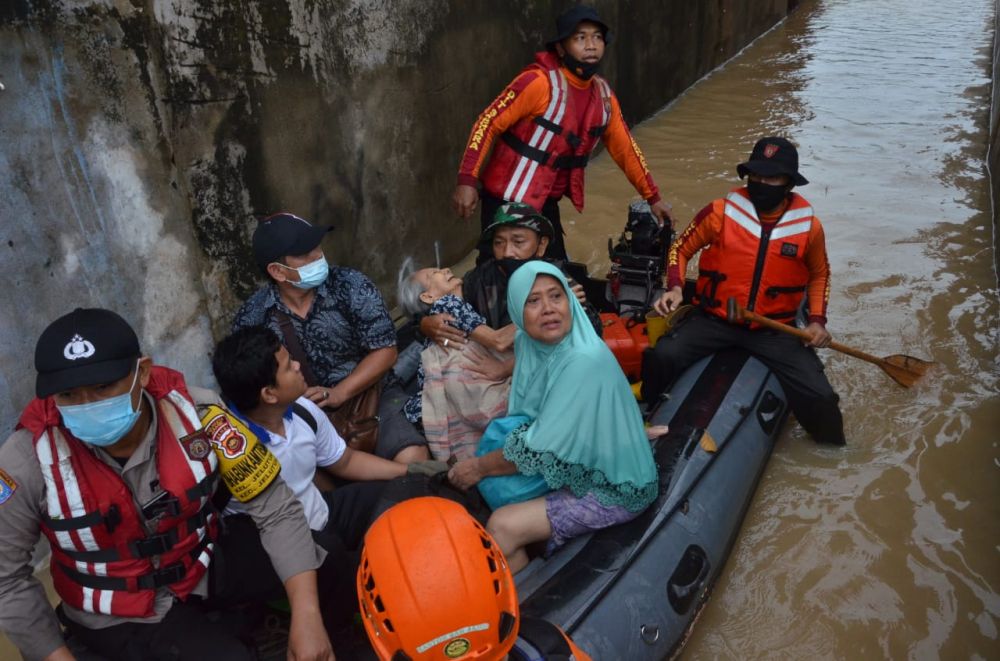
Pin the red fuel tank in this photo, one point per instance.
(627, 340)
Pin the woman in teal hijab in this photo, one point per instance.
(582, 431)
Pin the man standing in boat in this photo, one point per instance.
(765, 247)
(548, 121)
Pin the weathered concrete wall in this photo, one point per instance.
(140, 139)
(993, 157)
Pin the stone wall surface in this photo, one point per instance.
(993, 157)
(141, 139)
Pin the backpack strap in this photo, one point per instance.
(304, 413)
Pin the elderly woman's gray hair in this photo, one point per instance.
(408, 290)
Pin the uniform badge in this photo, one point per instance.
(7, 486)
(226, 437)
(78, 348)
(789, 249)
(770, 150)
(457, 648)
(196, 445)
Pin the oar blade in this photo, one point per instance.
(905, 370)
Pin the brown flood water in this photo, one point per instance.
(890, 547)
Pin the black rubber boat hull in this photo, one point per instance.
(633, 591)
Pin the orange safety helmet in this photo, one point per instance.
(434, 585)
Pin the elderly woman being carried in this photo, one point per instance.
(461, 387)
(572, 455)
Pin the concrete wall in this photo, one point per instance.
(141, 139)
(993, 157)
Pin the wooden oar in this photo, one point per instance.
(904, 370)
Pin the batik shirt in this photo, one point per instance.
(466, 320)
(347, 321)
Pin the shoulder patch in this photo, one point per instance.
(246, 465)
(7, 486)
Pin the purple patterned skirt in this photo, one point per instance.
(570, 516)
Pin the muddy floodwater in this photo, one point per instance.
(890, 547)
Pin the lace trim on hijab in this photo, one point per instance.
(581, 480)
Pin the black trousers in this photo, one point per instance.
(797, 367)
(487, 209)
(219, 628)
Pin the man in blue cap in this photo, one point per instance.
(548, 120)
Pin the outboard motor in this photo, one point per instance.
(638, 260)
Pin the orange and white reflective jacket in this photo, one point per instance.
(549, 121)
(768, 264)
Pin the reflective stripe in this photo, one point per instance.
(105, 601)
(172, 416)
(53, 505)
(546, 139)
(792, 215)
(801, 227)
(605, 107)
(741, 219)
(71, 489)
(743, 203)
(88, 599)
(557, 105)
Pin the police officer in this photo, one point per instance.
(114, 466)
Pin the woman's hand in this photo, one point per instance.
(577, 290)
(669, 302)
(481, 362)
(466, 474)
(438, 329)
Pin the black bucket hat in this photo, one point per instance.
(773, 156)
(569, 19)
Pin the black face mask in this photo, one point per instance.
(766, 197)
(509, 264)
(584, 70)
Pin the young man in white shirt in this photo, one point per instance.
(265, 388)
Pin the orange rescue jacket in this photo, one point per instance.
(542, 133)
(767, 266)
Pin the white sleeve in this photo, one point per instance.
(329, 445)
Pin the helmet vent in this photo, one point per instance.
(378, 604)
(496, 586)
(487, 544)
(370, 583)
(387, 623)
(492, 563)
(507, 622)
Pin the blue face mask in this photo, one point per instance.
(311, 275)
(104, 422)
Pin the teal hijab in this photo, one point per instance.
(585, 430)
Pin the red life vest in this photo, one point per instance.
(762, 266)
(102, 554)
(527, 158)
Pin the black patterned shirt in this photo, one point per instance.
(347, 321)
